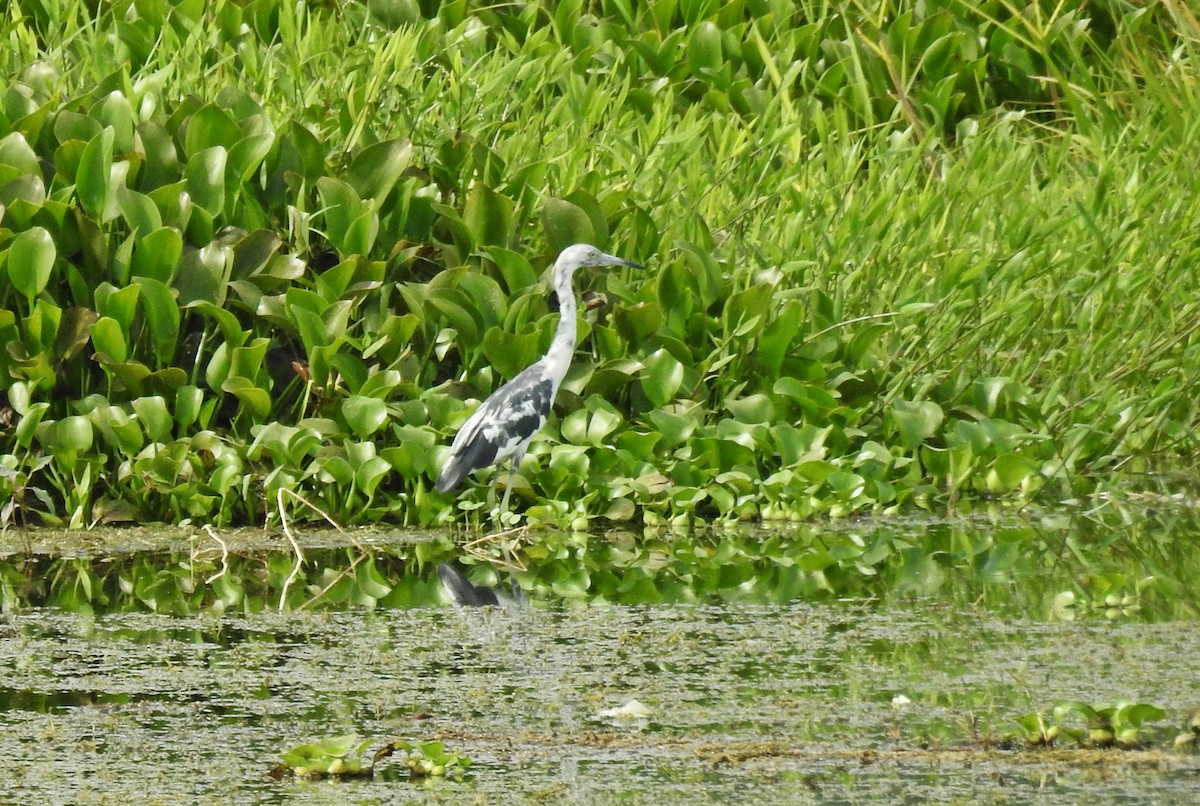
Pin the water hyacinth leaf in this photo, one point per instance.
(157, 254)
(1010, 471)
(162, 314)
(31, 261)
(205, 177)
(639, 321)
(509, 353)
(514, 268)
(73, 434)
(564, 224)
(704, 55)
(27, 191)
(109, 340)
(247, 155)
(93, 176)
(255, 400)
(140, 211)
(210, 127)
(152, 413)
(31, 418)
(188, 403)
(661, 377)
(375, 170)
(488, 216)
(674, 428)
(252, 253)
(203, 274)
(778, 335)
(74, 330)
(116, 112)
(16, 154)
(916, 421)
(350, 224)
(364, 415)
(120, 304)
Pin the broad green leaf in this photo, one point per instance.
(16, 154)
(31, 261)
(157, 254)
(509, 353)
(116, 112)
(208, 128)
(661, 377)
(565, 224)
(374, 171)
(916, 420)
(364, 415)
(205, 176)
(162, 314)
(139, 210)
(92, 180)
(488, 216)
(254, 399)
(73, 434)
(155, 418)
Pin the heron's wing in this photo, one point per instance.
(503, 423)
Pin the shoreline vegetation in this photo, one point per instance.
(900, 256)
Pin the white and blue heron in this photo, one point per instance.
(504, 424)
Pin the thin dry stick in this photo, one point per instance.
(287, 532)
(296, 546)
(362, 556)
(840, 325)
(472, 548)
(208, 530)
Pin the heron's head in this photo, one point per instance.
(582, 254)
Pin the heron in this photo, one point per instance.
(504, 424)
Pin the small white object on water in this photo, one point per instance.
(630, 711)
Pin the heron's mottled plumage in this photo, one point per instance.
(504, 424)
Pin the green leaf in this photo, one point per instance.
(509, 353)
(255, 400)
(162, 314)
(661, 377)
(205, 176)
(15, 153)
(916, 420)
(488, 216)
(93, 176)
(154, 417)
(73, 434)
(208, 128)
(109, 340)
(565, 224)
(364, 415)
(375, 170)
(139, 211)
(156, 255)
(31, 261)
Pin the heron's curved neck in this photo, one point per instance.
(563, 346)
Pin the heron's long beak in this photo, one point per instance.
(617, 261)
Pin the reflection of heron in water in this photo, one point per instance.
(467, 594)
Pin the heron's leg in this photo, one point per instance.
(508, 482)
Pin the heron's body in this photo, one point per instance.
(504, 424)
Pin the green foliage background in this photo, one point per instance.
(899, 253)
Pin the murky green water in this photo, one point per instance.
(751, 694)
